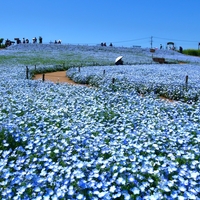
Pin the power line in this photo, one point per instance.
(175, 39)
(123, 41)
(131, 40)
(145, 38)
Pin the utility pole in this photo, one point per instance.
(151, 41)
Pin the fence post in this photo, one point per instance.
(43, 77)
(35, 67)
(113, 80)
(186, 80)
(79, 69)
(104, 72)
(26, 72)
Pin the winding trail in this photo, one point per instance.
(60, 77)
(56, 77)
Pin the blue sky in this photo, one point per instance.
(122, 22)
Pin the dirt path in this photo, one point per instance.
(56, 77)
(60, 77)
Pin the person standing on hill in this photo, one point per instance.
(40, 40)
(181, 49)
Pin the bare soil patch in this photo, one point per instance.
(166, 99)
(56, 77)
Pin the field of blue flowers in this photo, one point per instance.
(114, 140)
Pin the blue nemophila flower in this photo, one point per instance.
(131, 178)
(82, 184)
(194, 175)
(6, 174)
(21, 190)
(117, 195)
(126, 195)
(37, 189)
(181, 197)
(60, 193)
(190, 195)
(102, 194)
(78, 174)
(135, 190)
(46, 197)
(49, 191)
(39, 197)
(121, 181)
(71, 191)
(80, 196)
(112, 189)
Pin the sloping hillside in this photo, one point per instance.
(48, 53)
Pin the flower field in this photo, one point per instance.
(166, 80)
(114, 140)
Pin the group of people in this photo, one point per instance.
(18, 41)
(35, 40)
(57, 42)
(104, 44)
(172, 48)
(25, 41)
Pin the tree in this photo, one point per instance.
(1, 41)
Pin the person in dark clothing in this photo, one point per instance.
(40, 40)
(7, 43)
(34, 40)
(18, 41)
(181, 49)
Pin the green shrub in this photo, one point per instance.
(192, 52)
(2, 46)
(1, 43)
(1, 40)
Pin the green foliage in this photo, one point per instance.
(2, 45)
(10, 140)
(62, 62)
(2, 137)
(181, 161)
(192, 52)
(1, 41)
